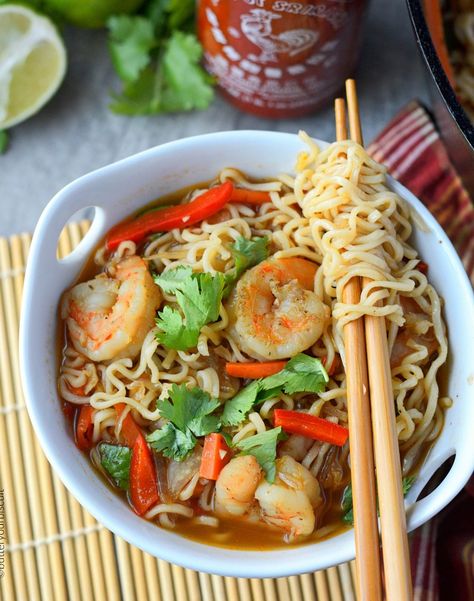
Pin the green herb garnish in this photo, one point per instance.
(301, 374)
(189, 414)
(346, 503)
(199, 296)
(157, 56)
(246, 253)
(115, 460)
(263, 447)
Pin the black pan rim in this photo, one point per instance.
(430, 56)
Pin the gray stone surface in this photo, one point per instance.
(76, 133)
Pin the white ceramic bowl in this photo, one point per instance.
(116, 191)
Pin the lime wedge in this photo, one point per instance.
(32, 63)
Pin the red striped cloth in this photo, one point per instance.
(442, 550)
(411, 148)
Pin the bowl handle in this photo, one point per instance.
(424, 509)
(52, 221)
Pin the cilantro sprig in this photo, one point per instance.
(199, 297)
(301, 374)
(157, 56)
(190, 415)
(263, 447)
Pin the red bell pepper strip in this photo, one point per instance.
(310, 426)
(143, 481)
(166, 219)
(129, 430)
(250, 197)
(215, 455)
(423, 267)
(335, 365)
(85, 428)
(254, 371)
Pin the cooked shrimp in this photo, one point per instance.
(289, 502)
(236, 485)
(108, 318)
(273, 311)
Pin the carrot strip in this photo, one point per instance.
(215, 455)
(310, 426)
(334, 367)
(130, 430)
(251, 197)
(85, 428)
(143, 481)
(254, 371)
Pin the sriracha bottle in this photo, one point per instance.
(280, 59)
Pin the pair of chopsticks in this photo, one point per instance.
(370, 396)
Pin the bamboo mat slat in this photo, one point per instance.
(55, 550)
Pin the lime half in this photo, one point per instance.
(32, 63)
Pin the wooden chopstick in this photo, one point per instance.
(398, 585)
(368, 578)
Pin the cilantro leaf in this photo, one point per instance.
(173, 332)
(301, 374)
(187, 408)
(115, 460)
(130, 42)
(236, 409)
(167, 15)
(186, 85)
(172, 442)
(246, 254)
(138, 97)
(189, 414)
(263, 447)
(199, 296)
(3, 141)
(346, 503)
(174, 279)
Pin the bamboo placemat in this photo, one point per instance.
(56, 551)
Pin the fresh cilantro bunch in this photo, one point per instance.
(157, 56)
(302, 373)
(189, 414)
(199, 296)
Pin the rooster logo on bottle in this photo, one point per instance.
(257, 27)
